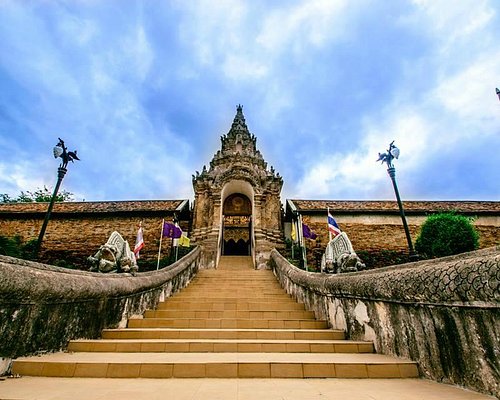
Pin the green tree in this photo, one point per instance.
(446, 234)
(38, 196)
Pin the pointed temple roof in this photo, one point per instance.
(238, 158)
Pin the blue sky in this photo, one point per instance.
(145, 89)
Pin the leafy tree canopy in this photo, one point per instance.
(38, 196)
(446, 234)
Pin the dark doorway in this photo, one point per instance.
(237, 225)
(239, 248)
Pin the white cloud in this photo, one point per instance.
(139, 51)
(77, 30)
(357, 171)
(470, 93)
(23, 176)
(309, 23)
(452, 21)
(213, 29)
(236, 67)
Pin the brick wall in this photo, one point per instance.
(376, 225)
(77, 238)
(375, 233)
(77, 230)
(387, 232)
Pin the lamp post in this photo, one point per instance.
(60, 150)
(393, 153)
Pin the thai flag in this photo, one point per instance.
(139, 242)
(333, 228)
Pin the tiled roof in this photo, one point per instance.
(71, 207)
(492, 207)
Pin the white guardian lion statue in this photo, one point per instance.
(114, 256)
(339, 256)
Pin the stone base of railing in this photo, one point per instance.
(42, 307)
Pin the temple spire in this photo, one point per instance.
(239, 125)
(239, 111)
(239, 117)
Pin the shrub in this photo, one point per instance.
(446, 234)
(14, 247)
(10, 246)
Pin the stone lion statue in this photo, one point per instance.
(114, 256)
(340, 257)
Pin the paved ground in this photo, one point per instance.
(231, 389)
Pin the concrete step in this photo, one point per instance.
(245, 314)
(226, 323)
(254, 278)
(231, 296)
(242, 277)
(214, 287)
(217, 294)
(232, 277)
(218, 305)
(220, 346)
(231, 289)
(270, 334)
(215, 365)
(234, 300)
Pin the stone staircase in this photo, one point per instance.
(232, 322)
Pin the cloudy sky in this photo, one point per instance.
(144, 90)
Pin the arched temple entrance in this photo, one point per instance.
(237, 225)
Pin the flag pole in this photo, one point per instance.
(302, 242)
(328, 225)
(159, 249)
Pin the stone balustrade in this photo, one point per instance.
(444, 313)
(42, 307)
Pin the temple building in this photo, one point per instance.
(237, 207)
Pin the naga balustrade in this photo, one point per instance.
(442, 313)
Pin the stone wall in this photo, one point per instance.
(444, 314)
(42, 307)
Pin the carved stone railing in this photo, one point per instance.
(42, 307)
(444, 313)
